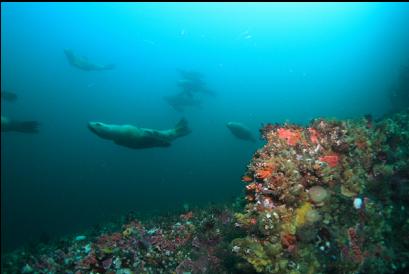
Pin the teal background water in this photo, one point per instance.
(265, 62)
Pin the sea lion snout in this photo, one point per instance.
(93, 126)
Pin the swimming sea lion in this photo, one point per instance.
(191, 85)
(8, 96)
(137, 137)
(240, 131)
(81, 62)
(182, 100)
(18, 126)
(190, 74)
(192, 82)
(194, 86)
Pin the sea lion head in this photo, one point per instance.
(69, 53)
(232, 125)
(102, 130)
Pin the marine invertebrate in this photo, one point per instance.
(127, 232)
(318, 194)
(263, 173)
(301, 213)
(253, 252)
(288, 241)
(313, 216)
(358, 203)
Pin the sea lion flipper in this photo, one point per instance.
(182, 128)
(127, 143)
(154, 135)
(27, 126)
(8, 96)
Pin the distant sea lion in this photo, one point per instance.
(240, 131)
(190, 74)
(194, 86)
(81, 62)
(18, 126)
(8, 96)
(137, 137)
(182, 100)
(192, 82)
(191, 85)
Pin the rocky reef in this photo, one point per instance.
(331, 197)
(328, 198)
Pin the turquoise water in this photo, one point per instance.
(264, 62)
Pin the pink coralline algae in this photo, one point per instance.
(291, 136)
(313, 135)
(332, 160)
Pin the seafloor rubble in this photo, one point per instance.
(329, 198)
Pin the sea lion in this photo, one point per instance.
(192, 82)
(240, 131)
(81, 62)
(8, 96)
(18, 126)
(137, 137)
(182, 100)
(190, 74)
(194, 86)
(191, 85)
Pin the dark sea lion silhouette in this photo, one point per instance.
(81, 62)
(240, 131)
(8, 96)
(182, 100)
(18, 126)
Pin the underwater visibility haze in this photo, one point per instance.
(128, 112)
